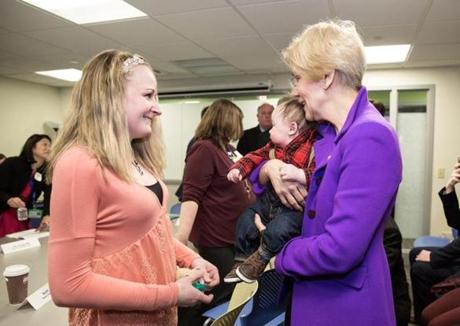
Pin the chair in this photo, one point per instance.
(174, 211)
(431, 241)
(242, 294)
(266, 308)
(269, 303)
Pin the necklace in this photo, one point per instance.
(138, 167)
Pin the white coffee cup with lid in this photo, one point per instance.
(17, 281)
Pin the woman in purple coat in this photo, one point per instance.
(338, 263)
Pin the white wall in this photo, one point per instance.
(24, 107)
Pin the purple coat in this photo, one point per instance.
(340, 270)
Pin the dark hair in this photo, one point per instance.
(204, 111)
(26, 152)
(379, 106)
(2, 156)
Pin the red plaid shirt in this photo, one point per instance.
(297, 153)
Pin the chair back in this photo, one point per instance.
(242, 294)
(269, 302)
(174, 211)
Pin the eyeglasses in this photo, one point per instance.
(294, 80)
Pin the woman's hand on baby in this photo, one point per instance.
(188, 294)
(211, 273)
(234, 175)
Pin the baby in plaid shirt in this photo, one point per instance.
(291, 141)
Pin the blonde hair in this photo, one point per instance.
(326, 46)
(221, 123)
(97, 119)
(292, 110)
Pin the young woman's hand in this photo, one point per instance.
(188, 294)
(16, 202)
(211, 273)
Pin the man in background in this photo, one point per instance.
(258, 136)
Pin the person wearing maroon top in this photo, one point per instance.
(292, 139)
(211, 204)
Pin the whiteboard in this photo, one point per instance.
(179, 120)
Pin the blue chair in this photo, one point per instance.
(431, 241)
(269, 303)
(266, 308)
(174, 211)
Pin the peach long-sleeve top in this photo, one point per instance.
(112, 256)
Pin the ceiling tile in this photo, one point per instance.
(440, 32)
(387, 35)
(26, 46)
(137, 33)
(76, 39)
(208, 24)
(379, 13)
(262, 16)
(248, 2)
(435, 52)
(18, 17)
(442, 10)
(236, 51)
(279, 41)
(165, 7)
(178, 51)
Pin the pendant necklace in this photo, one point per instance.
(138, 167)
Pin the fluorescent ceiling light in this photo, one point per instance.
(72, 75)
(192, 102)
(89, 11)
(386, 53)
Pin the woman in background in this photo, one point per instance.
(22, 181)
(112, 257)
(211, 204)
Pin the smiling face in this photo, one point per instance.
(141, 101)
(311, 94)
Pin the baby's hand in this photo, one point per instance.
(234, 175)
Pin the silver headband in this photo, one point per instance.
(131, 62)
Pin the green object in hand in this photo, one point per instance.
(199, 285)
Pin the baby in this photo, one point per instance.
(291, 141)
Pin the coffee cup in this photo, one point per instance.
(17, 281)
(23, 214)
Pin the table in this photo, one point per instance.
(36, 259)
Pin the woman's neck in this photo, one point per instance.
(38, 163)
(340, 104)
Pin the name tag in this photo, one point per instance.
(35, 213)
(20, 245)
(38, 176)
(40, 297)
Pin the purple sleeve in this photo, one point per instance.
(257, 187)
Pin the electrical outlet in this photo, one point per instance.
(441, 173)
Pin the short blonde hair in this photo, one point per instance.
(222, 123)
(97, 118)
(292, 110)
(326, 46)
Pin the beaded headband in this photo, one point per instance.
(131, 62)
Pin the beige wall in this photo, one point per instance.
(24, 107)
